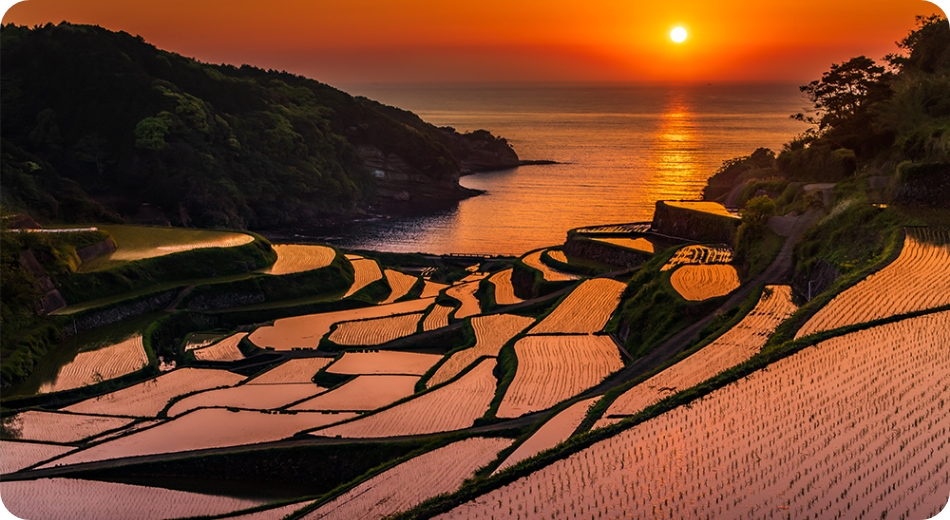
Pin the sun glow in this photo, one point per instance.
(678, 35)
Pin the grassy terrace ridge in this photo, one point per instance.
(775, 349)
(181, 266)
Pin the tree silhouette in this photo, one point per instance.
(844, 92)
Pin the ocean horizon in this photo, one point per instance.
(620, 148)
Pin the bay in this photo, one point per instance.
(621, 148)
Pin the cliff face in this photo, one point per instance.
(479, 151)
(97, 123)
(397, 181)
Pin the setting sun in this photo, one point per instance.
(678, 35)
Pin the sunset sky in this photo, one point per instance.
(507, 40)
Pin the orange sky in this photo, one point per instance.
(350, 41)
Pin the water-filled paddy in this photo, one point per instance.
(450, 407)
(206, 428)
(384, 362)
(306, 331)
(48, 499)
(254, 397)
(362, 393)
(150, 397)
(58, 427)
(300, 370)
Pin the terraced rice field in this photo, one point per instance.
(737, 345)
(916, 281)
(277, 513)
(432, 289)
(32, 499)
(465, 293)
(491, 333)
(224, 350)
(59, 427)
(699, 255)
(141, 242)
(557, 430)
(557, 255)
(15, 456)
(438, 317)
(202, 340)
(140, 425)
(307, 331)
(206, 428)
(400, 284)
(554, 368)
(473, 277)
(254, 397)
(365, 272)
(412, 482)
(714, 208)
(148, 398)
(504, 291)
(533, 260)
(375, 331)
(447, 408)
(702, 282)
(637, 244)
(636, 227)
(586, 310)
(384, 362)
(855, 427)
(362, 393)
(300, 370)
(95, 366)
(294, 258)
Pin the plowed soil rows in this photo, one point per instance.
(491, 333)
(554, 368)
(586, 310)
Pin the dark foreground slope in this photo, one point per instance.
(96, 123)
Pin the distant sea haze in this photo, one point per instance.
(622, 148)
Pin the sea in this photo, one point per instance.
(619, 148)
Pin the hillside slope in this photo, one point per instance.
(96, 123)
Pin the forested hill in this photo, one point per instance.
(96, 123)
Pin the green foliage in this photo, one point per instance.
(817, 163)
(331, 280)
(759, 165)
(186, 265)
(212, 145)
(757, 211)
(854, 236)
(928, 47)
(651, 310)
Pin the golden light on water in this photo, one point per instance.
(678, 35)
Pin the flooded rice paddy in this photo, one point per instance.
(362, 393)
(450, 407)
(306, 331)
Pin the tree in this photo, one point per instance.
(927, 47)
(757, 211)
(843, 94)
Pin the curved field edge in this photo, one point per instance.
(404, 400)
(771, 353)
(720, 326)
